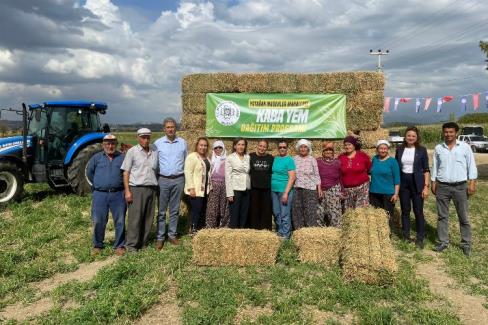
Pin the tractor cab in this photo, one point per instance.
(60, 137)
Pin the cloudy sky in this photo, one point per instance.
(133, 53)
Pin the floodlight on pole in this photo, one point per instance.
(379, 53)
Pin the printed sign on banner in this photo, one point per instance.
(276, 115)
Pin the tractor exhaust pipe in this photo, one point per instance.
(24, 133)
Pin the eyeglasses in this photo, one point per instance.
(282, 147)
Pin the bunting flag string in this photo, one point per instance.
(440, 101)
(439, 105)
(464, 107)
(476, 101)
(427, 103)
(396, 104)
(417, 105)
(386, 106)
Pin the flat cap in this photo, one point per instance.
(143, 131)
(110, 137)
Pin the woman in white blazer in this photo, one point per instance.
(238, 183)
(197, 183)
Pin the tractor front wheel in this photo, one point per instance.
(11, 182)
(77, 170)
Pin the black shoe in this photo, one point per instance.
(419, 244)
(466, 250)
(440, 247)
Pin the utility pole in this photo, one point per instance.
(379, 53)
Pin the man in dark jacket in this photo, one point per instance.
(103, 171)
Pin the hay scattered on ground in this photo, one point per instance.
(367, 253)
(318, 245)
(240, 247)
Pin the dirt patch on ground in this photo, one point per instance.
(165, 311)
(251, 313)
(469, 308)
(22, 313)
(7, 214)
(320, 317)
(85, 272)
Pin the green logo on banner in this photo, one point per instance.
(276, 115)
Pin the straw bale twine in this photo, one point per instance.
(318, 245)
(210, 83)
(367, 253)
(241, 247)
(369, 138)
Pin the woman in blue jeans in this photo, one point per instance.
(282, 179)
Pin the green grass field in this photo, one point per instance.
(49, 234)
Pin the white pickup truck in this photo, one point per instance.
(477, 143)
(394, 137)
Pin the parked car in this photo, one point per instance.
(472, 130)
(395, 137)
(477, 143)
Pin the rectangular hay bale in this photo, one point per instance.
(369, 138)
(239, 247)
(367, 253)
(210, 83)
(318, 245)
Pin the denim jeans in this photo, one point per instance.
(170, 191)
(102, 203)
(282, 213)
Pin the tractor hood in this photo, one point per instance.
(11, 145)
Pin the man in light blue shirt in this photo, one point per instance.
(172, 152)
(453, 177)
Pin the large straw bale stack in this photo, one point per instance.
(194, 103)
(318, 245)
(210, 83)
(369, 138)
(367, 253)
(240, 247)
(364, 91)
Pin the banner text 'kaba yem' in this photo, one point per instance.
(276, 115)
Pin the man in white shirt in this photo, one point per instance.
(453, 177)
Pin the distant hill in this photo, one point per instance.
(474, 118)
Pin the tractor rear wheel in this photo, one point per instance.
(11, 182)
(77, 170)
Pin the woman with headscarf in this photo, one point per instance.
(307, 187)
(385, 180)
(217, 206)
(355, 166)
(329, 209)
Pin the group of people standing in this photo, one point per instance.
(241, 190)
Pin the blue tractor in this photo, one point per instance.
(57, 141)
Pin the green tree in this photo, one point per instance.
(484, 47)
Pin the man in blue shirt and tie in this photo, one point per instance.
(172, 152)
(453, 177)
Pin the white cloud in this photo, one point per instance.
(96, 53)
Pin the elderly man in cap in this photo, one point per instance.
(172, 152)
(103, 171)
(140, 170)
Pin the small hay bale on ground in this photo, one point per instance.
(240, 247)
(318, 245)
(367, 253)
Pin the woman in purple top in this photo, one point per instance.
(217, 206)
(329, 209)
